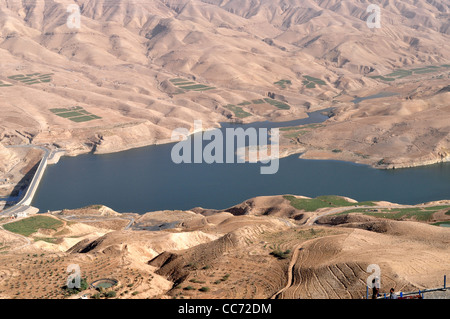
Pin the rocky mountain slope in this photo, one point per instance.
(118, 65)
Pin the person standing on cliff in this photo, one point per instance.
(375, 288)
(392, 294)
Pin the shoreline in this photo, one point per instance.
(23, 205)
(283, 154)
(52, 156)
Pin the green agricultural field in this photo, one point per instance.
(84, 118)
(16, 77)
(32, 78)
(238, 111)
(55, 111)
(260, 101)
(194, 87)
(313, 204)
(402, 73)
(418, 213)
(3, 84)
(278, 104)
(283, 83)
(315, 80)
(30, 225)
(67, 115)
(294, 132)
(438, 208)
(424, 71)
(206, 89)
(382, 78)
(310, 82)
(76, 114)
(426, 67)
(186, 85)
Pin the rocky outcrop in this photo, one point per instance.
(7, 159)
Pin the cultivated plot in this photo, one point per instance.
(296, 131)
(403, 73)
(75, 114)
(310, 82)
(278, 104)
(32, 78)
(4, 84)
(238, 111)
(423, 214)
(283, 83)
(186, 85)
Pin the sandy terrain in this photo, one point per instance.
(227, 254)
(119, 65)
(135, 71)
(391, 132)
(18, 171)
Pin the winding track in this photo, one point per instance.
(28, 242)
(311, 221)
(290, 270)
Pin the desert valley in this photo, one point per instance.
(94, 81)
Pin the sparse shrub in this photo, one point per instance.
(280, 254)
(83, 286)
(110, 294)
(196, 281)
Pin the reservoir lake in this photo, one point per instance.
(146, 179)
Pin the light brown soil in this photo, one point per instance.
(119, 63)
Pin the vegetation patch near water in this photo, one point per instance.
(313, 204)
(30, 225)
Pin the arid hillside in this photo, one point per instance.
(134, 71)
(267, 247)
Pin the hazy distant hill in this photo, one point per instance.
(117, 65)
